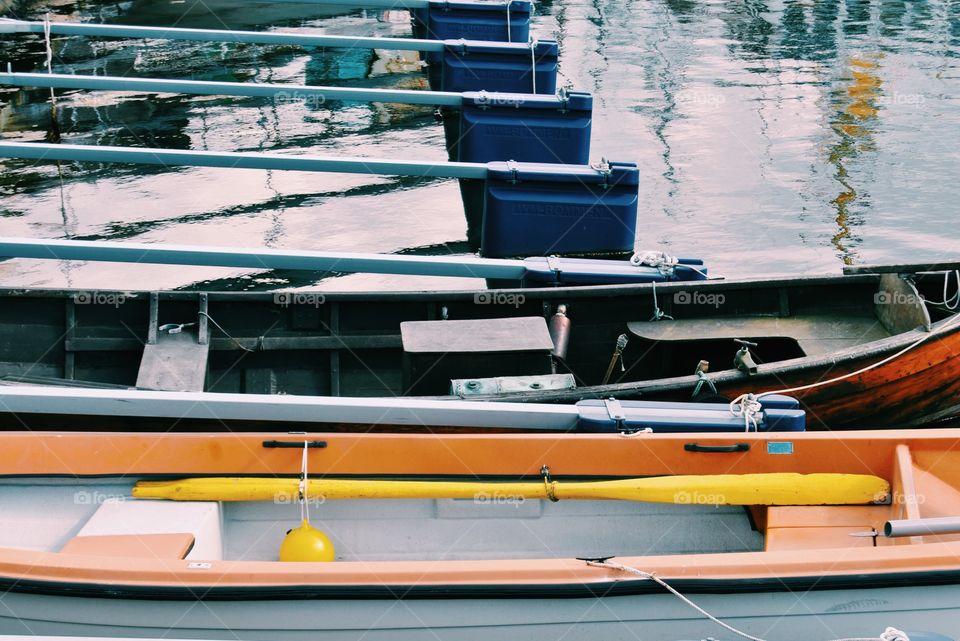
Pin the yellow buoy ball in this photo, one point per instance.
(306, 543)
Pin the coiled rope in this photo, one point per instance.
(662, 261)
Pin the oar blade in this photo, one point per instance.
(750, 489)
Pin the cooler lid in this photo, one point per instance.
(571, 101)
(612, 172)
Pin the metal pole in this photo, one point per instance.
(456, 266)
(253, 90)
(287, 409)
(921, 527)
(243, 160)
(370, 4)
(251, 37)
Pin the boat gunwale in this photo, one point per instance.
(779, 571)
(188, 453)
(581, 291)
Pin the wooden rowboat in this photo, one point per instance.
(78, 552)
(497, 345)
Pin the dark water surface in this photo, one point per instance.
(773, 137)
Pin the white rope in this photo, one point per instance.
(662, 261)
(509, 35)
(864, 370)
(304, 508)
(227, 334)
(46, 39)
(533, 63)
(653, 577)
(890, 634)
(747, 407)
(950, 302)
(53, 95)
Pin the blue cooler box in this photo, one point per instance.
(544, 209)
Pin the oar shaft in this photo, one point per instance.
(241, 160)
(725, 489)
(455, 266)
(303, 93)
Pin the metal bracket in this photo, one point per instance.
(564, 97)
(295, 444)
(203, 334)
(553, 264)
(548, 483)
(615, 411)
(512, 166)
(595, 559)
(603, 168)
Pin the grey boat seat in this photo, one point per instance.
(437, 352)
(169, 529)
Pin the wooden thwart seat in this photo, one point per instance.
(159, 546)
(816, 333)
(793, 527)
(830, 526)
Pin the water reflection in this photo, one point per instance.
(856, 112)
(781, 136)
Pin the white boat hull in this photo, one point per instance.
(784, 616)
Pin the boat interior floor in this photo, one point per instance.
(58, 514)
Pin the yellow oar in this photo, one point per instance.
(721, 489)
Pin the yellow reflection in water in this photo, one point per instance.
(856, 111)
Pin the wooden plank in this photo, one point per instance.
(154, 312)
(175, 363)
(335, 354)
(69, 358)
(525, 334)
(268, 343)
(902, 268)
(816, 334)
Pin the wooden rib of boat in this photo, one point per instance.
(807, 330)
(78, 552)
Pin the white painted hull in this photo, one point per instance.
(806, 616)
